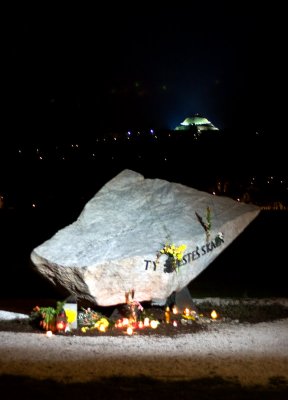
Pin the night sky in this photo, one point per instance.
(85, 70)
(80, 70)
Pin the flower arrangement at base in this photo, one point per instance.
(46, 317)
(175, 255)
(90, 320)
(133, 305)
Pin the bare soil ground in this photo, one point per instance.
(237, 313)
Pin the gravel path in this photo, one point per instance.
(244, 353)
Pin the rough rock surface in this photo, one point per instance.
(111, 248)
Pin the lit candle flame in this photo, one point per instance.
(102, 328)
(140, 325)
(154, 324)
(119, 324)
(129, 330)
(214, 314)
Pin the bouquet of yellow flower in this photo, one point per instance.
(175, 255)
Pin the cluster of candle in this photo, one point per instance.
(168, 315)
(191, 314)
(131, 325)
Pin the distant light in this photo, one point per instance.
(152, 131)
(214, 193)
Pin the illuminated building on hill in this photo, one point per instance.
(196, 122)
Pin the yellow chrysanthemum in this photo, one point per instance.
(182, 248)
(101, 321)
(104, 321)
(175, 252)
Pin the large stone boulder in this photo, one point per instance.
(114, 245)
